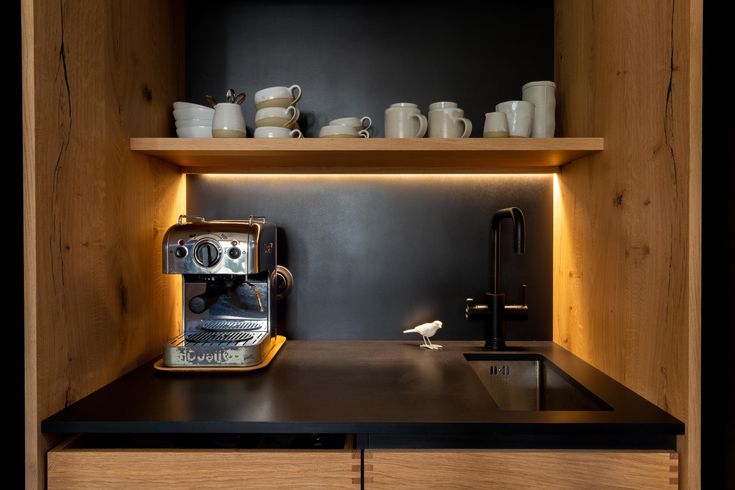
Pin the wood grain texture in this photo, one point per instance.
(97, 306)
(502, 469)
(377, 155)
(201, 469)
(627, 232)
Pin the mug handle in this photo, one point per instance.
(363, 133)
(467, 127)
(423, 125)
(295, 133)
(369, 122)
(295, 115)
(296, 98)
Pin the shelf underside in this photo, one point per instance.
(377, 155)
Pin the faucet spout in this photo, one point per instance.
(519, 240)
(495, 311)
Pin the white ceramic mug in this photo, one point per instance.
(358, 123)
(448, 122)
(339, 131)
(442, 105)
(520, 117)
(542, 96)
(284, 117)
(277, 132)
(228, 121)
(496, 125)
(404, 120)
(277, 96)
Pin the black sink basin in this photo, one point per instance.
(531, 382)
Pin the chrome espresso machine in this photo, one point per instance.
(229, 291)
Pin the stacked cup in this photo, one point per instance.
(347, 127)
(446, 120)
(193, 120)
(276, 113)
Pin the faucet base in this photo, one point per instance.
(495, 326)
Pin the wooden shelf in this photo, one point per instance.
(375, 155)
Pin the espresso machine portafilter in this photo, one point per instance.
(229, 277)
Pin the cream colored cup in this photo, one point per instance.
(542, 96)
(496, 125)
(228, 121)
(358, 123)
(442, 105)
(520, 117)
(283, 117)
(340, 131)
(277, 132)
(404, 120)
(277, 96)
(449, 123)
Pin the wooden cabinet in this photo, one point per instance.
(627, 219)
(514, 469)
(179, 469)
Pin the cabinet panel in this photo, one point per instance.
(499, 469)
(162, 469)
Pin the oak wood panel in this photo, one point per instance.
(97, 306)
(501, 469)
(376, 155)
(201, 469)
(627, 233)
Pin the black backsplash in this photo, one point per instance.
(356, 58)
(375, 254)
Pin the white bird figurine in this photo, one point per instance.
(427, 330)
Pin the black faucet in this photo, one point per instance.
(495, 311)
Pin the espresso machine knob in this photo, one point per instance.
(207, 253)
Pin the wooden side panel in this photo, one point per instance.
(201, 469)
(626, 247)
(510, 470)
(97, 305)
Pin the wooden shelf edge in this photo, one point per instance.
(377, 155)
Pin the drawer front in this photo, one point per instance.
(512, 470)
(161, 469)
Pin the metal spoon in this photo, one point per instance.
(240, 98)
(230, 95)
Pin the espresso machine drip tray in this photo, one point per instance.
(232, 325)
(219, 336)
(213, 348)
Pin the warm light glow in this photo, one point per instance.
(375, 177)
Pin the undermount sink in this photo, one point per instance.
(531, 382)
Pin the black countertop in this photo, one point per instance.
(392, 394)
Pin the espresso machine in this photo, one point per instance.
(228, 291)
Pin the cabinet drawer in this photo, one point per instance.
(164, 468)
(502, 469)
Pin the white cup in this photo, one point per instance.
(340, 131)
(404, 120)
(442, 105)
(194, 113)
(194, 132)
(277, 96)
(284, 117)
(448, 122)
(358, 123)
(277, 132)
(228, 121)
(542, 96)
(187, 123)
(520, 117)
(496, 125)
